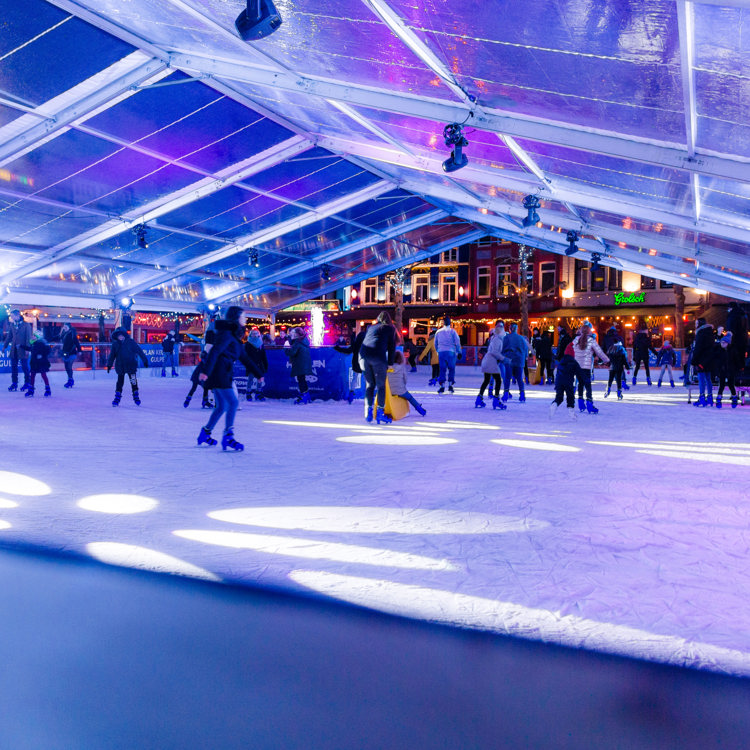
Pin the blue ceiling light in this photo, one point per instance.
(141, 236)
(258, 20)
(531, 203)
(325, 272)
(253, 258)
(572, 238)
(454, 136)
(595, 264)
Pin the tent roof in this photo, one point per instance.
(322, 144)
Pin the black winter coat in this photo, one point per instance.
(737, 324)
(40, 351)
(567, 371)
(618, 359)
(300, 356)
(258, 356)
(720, 361)
(544, 346)
(168, 343)
(70, 343)
(611, 337)
(562, 342)
(353, 350)
(125, 355)
(703, 348)
(379, 344)
(642, 345)
(226, 350)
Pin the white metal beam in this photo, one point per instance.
(101, 91)
(662, 153)
(336, 253)
(266, 235)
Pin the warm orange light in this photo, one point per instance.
(628, 325)
(667, 328)
(354, 294)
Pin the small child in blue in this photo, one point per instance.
(397, 382)
(667, 359)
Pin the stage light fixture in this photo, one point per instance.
(595, 265)
(126, 303)
(325, 272)
(572, 238)
(454, 136)
(258, 20)
(531, 203)
(253, 259)
(141, 237)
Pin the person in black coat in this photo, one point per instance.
(218, 375)
(563, 339)
(376, 356)
(618, 363)
(70, 348)
(355, 371)
(301, 361)
(702, 361)
(641, 348)
(125, 355)
(724, 368)
(567, 371)
(736, 324)
(544, 355)
(39, 362)
(168, 344)
(255, 350)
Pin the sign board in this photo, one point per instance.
(623, 298)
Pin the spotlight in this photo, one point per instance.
(254, 259)
(531, 203)
(211, 306)
(140, 236)
(454, 136)
(126, 303)
(572, 238)
(325, 272)
(595, 258)
(259, 19)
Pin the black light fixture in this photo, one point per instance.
(141, 236)
(253, 259)
(531, 203)
(258, 20)
(595, 265)
(572, 238)
(454, 136)
(325, 272)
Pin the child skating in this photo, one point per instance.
(124, 356)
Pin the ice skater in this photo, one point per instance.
(702, 361)
(492, 367)
(448, 347)
(666, 359)
(70, 348)
(641, 348)
(255, 350)
(18, 338)
(301, 361)
(397, 382)
(618, 363)
(724, 367)
(568, 370)
(218, 375)
(431, 351)
(125, 355)
(584, 349)
(355, 371)
(168, 345)
(515, 352)
(375, 357)
(39, 363)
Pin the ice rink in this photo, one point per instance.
(624, 532)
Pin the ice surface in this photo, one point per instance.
(625, 532)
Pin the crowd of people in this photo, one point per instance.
(382, 359)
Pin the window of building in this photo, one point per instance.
(449, 287)
(503, 281)
(648, 283)
(598, 279)
(529, 280)
(581, 276)
(450, 256)
(615, 280)
(666, 285)
(371, 291)
(548, 277)
(484, 281)
(486, 242)
(421, 287)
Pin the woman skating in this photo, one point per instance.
(584, 349)
(39, 362)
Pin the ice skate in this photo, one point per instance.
(420, 410)
(381, 416)
(47, 391)
(368, 416)
(479, 403)
(701, 401)
(69, 383)
(136, 398)
(671, 383)
(658, 385)
(29, 391)
(163, 373)
(634, 380)
(13, 387)
(205, 437)
(734, 402)
(174, 373)
(572, 413)
(553, 407)
(228, 441)
(506, 396)
(186, 402)
(25, 387)
(207, 403)
(498, 404)
(581, 405)
(619, 395)
(450, 388)
(522, 398)
(648, 381)
(591, 408)
(442, 388)
(116, 399)
(718, 402)
(350, 397)
(607, 392)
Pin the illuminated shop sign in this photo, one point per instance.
(621, 298)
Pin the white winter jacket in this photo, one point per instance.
(493, 355)
(585, 357)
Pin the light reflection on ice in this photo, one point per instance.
(520, 621)
(373, 520)
(395, 438)
(713, 458)
(4, 525)
(117, 503)
(5, 503)
(143, 558)
(315, 550)
(22, 484)
(537, 445)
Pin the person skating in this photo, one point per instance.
(125, 355)
(431, 352)
(70, 348)
(39, 363)
(702, 361)
(641, 348)
(544, 358)
(300, 358)
(568, 370)
(618, 363)
(492, 368)
(723, 366)
(255, 350)
(397, 382)
(355, 371)
(666, 359)
(18, 339)
(448, 347)
(218, 375)
(168, 348)
(584, 349)
(376, 355)
(516, 352)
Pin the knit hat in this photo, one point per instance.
(569, 350)
(233, 314)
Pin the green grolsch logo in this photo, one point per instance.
(631, 299)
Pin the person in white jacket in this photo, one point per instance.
(397, 382)
(492, 367)
(448, 347)
(584, 349)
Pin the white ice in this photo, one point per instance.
(625, 532)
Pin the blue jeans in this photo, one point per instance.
(704, 384)
(410, 399)
(226, 401)
(68, 360)
(447, 361)
(169, 360)
(14, 360)
(513, 371)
